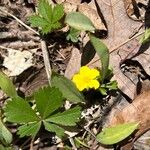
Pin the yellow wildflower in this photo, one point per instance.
(86, 78)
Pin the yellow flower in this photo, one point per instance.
(86, 78)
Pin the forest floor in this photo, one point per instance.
(120, 24)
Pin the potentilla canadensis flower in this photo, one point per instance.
(86, 78)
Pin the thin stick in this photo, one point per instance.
(46, 61)
(72, 143)
(128, 40)
(43, 46)
(23, 24)
(114, 49)
(31, 144)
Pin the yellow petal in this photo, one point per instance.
(94, 84)
(79, 82)
(81, 87)
(94, 73)
(85, 70)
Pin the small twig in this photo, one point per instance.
(31, 144)
(72, 143)
(114, 49)
(128, 40)
(21, 147)
(43, 46)
(61, 54)
(23, 24)
(7, 48)
(46, 61)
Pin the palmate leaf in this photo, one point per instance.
(66, 118)
(56, 25)
(7, 86)
(38, 21)
(45, 10)
(5, 134)
(79, 21)
(58, 13)
(48, 100)
(116, 134)
(54, 128)
(68, 89)
(49, 17)
(18, 110)
(103, 53)
(30, 129)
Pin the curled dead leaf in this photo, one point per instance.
(138, 111)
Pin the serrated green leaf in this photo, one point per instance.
(56, 25)
(73, 35)
(5, 134)
(18, 110)
(79, 21)
(146, 37)
(103, 53)
(116, 134)
(37, 21)
(66, 118)
(30, 129)
(45, 10)
(58, 13)
(7, 86)
(54, 128)
(48, 100)
(68, 89)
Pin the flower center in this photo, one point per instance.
(86, 79)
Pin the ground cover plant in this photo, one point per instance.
(45, 109)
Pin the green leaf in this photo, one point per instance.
(73, 35)
(67, 88)
(146, 37)
(48, 18)
(113, 85)
(55, 25)
(58, 13)
(18, 110)
(30, 129)
(116, 134)
(48, 100)
(103, 90)
(66, 118)
(103, 53)
(7, 86)
(79, 21)
(45, 10)
(5, 134)
(54, 128)
(37, 21)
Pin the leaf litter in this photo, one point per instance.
(120, 24)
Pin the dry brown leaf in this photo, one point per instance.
(18, 61)
(138, 111)
(74, 63)
(133, 10)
